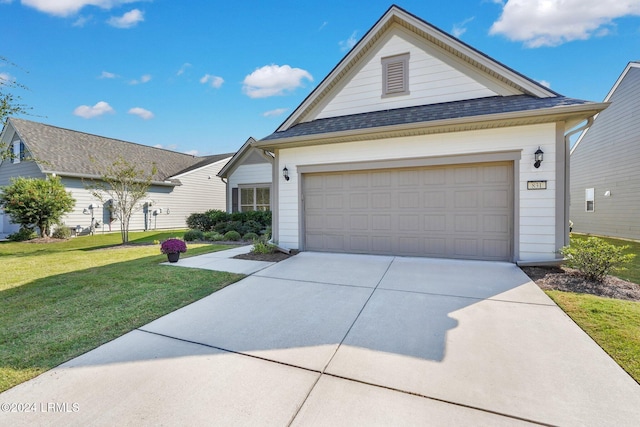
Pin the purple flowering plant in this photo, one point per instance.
(172, 246)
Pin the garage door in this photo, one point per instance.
(455, 211)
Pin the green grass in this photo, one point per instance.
(59, 300)
(613, 324)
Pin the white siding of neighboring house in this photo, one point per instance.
(536, 211)
(200, 191)
(259, 173)
(431, 80)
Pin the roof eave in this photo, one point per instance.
(172, 183)
(573, 115)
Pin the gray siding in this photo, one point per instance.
(607, 159)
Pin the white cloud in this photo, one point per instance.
(275, 113)
(171, 147)
(70, 7)
(324, 24)
(6, 78)
(348, 43)
(183, 69)
(214, 81)
(461, 27)
(554, 22)
(82, 21)
(143, 79)
(141, 112)
(97, 110)
(107, 75)
(192, 152)
(545, 83)
(128, 20)
(273, 80)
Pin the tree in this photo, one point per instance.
(36, 202)
(122, 188)
(9, 103)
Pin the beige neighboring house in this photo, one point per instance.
(183, 184)
(248, 176)
(417, 144)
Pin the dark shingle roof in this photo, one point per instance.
(425, 113)
(67, 151)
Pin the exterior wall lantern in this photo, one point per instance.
(538, 156)
(285, 173)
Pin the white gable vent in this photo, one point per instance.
(395, 75)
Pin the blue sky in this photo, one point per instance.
(201, 76)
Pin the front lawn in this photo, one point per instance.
(614, 324)
(59, 300)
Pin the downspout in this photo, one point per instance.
(567, 166)
(226, 193)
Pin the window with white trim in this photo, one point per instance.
(256, 198)
(18, 152)
(589, 198)
(395, 75)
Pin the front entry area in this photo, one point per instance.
(460, 211)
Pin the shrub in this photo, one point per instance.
(199, 221)
(253, 226)
(191, 235)
(232, 235)
(211, 236)
(216, 216)
(22, 235)
(250, 236)
(260, 246)
(172, 246)
(224, 227)
(61, 232)
(594, 258)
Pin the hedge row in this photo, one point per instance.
(258, 222)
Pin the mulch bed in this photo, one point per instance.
(272, 257)
(569, 280)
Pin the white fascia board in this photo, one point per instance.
(225, 160)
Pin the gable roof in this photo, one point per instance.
(631, 65)
(240, 156)
(69, 153)
(398, 16)
(520, 100)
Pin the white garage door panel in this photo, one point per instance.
(459, 211)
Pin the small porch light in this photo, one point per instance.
(538, 156)
(285, 173)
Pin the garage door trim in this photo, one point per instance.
(488, 157)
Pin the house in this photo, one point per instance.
(247, 177)
(417, 144)
(182, 185)
(605, 177)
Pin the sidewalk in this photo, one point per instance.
(224, 261)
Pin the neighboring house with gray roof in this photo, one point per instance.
(605, 177)
(417, 144)
(183, 184)
(248, 176)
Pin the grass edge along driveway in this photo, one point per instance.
(94, 296)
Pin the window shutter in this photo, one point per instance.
(234, 200)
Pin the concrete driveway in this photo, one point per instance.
(327, 339)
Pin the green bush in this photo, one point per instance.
(61, 232)
(232, 235)
(199, 221)
(260, 246)
(594, 258)
(224, 227)
(253, 226)
(212, 236)
(216, 216)
(250, 236)
(191, 235)
(22, 235)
